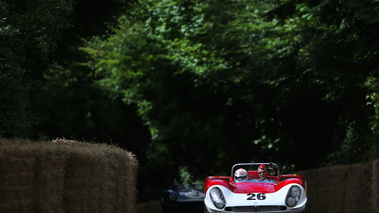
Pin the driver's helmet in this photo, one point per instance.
(240, 175)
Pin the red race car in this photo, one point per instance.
(255, 187)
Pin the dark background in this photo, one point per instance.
(191, 88)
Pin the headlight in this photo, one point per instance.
(172, 197)
(295, 191)
(293, 196)
(217, 198)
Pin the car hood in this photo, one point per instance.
(254, 187)
(191, 195)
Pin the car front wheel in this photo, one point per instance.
(304, 210)
(205, 209)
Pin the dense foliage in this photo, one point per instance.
(28, 34)
(193, 87)
(246, 80)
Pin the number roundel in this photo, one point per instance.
(256, 196)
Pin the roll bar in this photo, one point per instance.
(270, 166)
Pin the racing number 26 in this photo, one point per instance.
(258, 196)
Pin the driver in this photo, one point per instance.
(240, 175)
(262, 172)
(262, 175)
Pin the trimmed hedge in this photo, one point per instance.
(66, 176)
(343, 188)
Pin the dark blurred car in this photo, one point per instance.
(178, 198)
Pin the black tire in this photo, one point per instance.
(205, 209)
